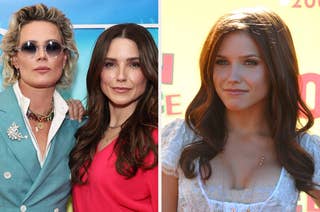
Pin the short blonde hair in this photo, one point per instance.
(38, 12)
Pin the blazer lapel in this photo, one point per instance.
(23, 149)
(61, 145)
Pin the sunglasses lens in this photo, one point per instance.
(53, 48)
(28, 48)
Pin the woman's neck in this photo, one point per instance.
(40, 98)
(248, 122)
(118, 115)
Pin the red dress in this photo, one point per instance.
(107, 190)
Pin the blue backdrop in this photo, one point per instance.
(89, 18)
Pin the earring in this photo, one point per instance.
(16, 72)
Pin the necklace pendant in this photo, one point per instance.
(39, 126)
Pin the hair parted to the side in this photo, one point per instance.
(38, 12)
(206, 113)
(135, 140)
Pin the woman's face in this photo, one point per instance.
(240, 74)
(39, 67)
(122, 80)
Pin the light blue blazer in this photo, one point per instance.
(24, 185)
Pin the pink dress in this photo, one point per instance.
(107, 190)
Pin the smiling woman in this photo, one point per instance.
(116, 157)
(241, 146)
(240, 75)
(122, 79)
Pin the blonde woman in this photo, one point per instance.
(36, 135)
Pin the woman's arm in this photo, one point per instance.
(169, 193)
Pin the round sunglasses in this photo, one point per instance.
(52, 48)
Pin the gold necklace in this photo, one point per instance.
(260, 164)
(39, 118)
(115, 127)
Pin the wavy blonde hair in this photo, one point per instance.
(38, 12)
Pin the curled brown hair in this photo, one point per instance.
(206, 113)
(135, 140)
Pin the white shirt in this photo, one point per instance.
(60, 110)
(195, 196)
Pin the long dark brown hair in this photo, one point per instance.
(206, 113)
(135, 140)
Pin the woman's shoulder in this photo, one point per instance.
(177, 133)
(177, 129)
(174, 137)
(311, 143)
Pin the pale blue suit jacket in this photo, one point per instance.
(24, 185)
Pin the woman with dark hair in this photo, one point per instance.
(114, 163)
(241, 146)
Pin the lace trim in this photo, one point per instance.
(169, 171)
(275, 188)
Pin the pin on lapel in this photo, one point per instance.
(13, 132)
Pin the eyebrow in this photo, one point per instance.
(128, 59)
(243, 56)
(35, 41)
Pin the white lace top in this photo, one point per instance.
(195, 196)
